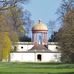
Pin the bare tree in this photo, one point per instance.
(51, 26)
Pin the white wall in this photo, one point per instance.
(22, 57)
(32, 57)
(25, 47)
(49, 57)
(52, 47)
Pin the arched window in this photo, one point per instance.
(39, 57)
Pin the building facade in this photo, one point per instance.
(39, 50)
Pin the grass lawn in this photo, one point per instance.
(36, 68)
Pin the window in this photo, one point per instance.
(39, 57)
(56, 47)
(22, 47)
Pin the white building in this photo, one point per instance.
(39, 50)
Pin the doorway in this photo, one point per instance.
(39, 57)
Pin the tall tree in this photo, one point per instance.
(28, 22)
(11, 24)
(65, 35)
(51, 27)
(5, 45)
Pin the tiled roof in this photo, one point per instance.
(39, 48)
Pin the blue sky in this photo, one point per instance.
(44, 10)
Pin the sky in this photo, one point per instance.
(44, 10)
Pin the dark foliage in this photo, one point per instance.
(25, 39)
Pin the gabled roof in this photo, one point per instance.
(39, 48)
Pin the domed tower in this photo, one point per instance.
(39, 30)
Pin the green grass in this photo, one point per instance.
(36, 68)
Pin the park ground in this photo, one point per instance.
(36, 68)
